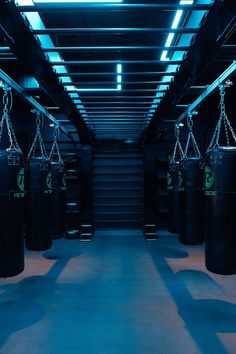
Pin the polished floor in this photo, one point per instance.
(118, 294)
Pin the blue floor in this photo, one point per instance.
(118, 295)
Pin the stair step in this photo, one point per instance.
(118, 187)
(118, 225)
(118, 213)
(122, 185)
(102, 173)
(117, 163)
(117, 204)
(119, 169)
(118, 218)
(109, 196)
(118, 180)
(117, 156)
(118, 208)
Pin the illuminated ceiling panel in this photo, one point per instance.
(92, 61)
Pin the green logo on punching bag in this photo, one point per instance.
(49, 180)
(21, 179)
(209, 177)
(169, 180)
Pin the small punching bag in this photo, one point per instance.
(220, 195)
(191, 230)
(58, 190)
(11, 199)
(173, 176)
(38, 181)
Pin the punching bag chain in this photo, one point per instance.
(55, 147)
(38, 138)
(178, 147)
(223, 121)
(191, 137)
(7, 106)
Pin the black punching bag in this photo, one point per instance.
(38, 223)
(220, 197)
(173, 196)
(191, 230)
(58, 199)
(11, 214)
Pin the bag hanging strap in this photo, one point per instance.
(38, 140)
(223, 121)
(177, 148)
(55, 148)
(191, 138)
(7, 102)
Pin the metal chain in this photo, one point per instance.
(38, 139)
(55, 147)
(191, 138)
(177, 147)
(7, 106)
(223, 120)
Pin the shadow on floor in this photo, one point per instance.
(203, 318)
(19, 305)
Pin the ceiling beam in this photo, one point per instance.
(226, 75)
(95, 109)
(97, 62)
(69, 31)
(214, 31)
(114, 48)
(117, 97)
(105, 48)
(31, 58)
(32, 102)
(159, 73)
(67, 7)
(115, 91)
(88, 83)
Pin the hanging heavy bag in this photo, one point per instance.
(220, 195)
(173, 187)
(11, 198)
(38, 221)
(58, 190)
(191, 230)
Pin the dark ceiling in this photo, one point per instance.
(92, 42)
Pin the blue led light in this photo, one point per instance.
(164, 55)
(185, 39)
(119, 78)
(37, 23)
(177, 19)
(119, 68)
(186, 2)
(175, 24)
(76, 1)
(169, 39)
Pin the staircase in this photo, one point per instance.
(118, 187)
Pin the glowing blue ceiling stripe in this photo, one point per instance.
(185, 39)
(75, 1)
(175, 24)
(37, 23)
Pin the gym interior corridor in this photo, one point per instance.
(117, 177)
(118, 294)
